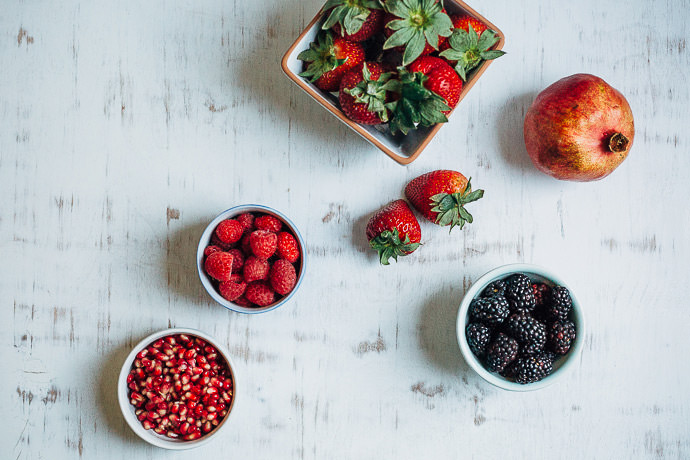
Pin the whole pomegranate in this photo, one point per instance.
(579, 129)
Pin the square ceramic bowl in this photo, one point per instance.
(129, 411)
(206, 240)
(401, 148)
(561, 366)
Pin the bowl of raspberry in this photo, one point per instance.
(251, 259)
(520, 327)
(177, 388)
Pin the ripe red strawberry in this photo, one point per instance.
(269, 223)
(263, 243)
(288, 248)
(260, 293)
(441, 196)
(237, 261)
(329, 58)
(255, 269)
(394, 231)
(283, 277)
(211, 249)
(363, 94)
(219, 266)
(469, 45)
(233, 288)
(355, 20)
(441, 79)
(247, 221)
(229, 231)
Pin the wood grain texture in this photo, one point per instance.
(127, 126)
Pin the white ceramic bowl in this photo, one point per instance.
(128, 410)
(206, 240)
(561, 366)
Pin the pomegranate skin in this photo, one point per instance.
(579, 129)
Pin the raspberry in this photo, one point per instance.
(260, 293)
(238, 260)
(229, 231)
(287, 247)
(247, 221)
(215, 241)
(283, 277)
(211, 249)
(263, 243)
(232, 289)
(245, 246)
(269, 223)
(242, 301)
(219, 266)
(255, 269)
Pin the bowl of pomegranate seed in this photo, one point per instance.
(520, 327)
(177, 388)
(251, 259)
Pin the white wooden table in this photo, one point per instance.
(127, 126)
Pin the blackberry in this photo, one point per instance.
(489, 310)
(478, 338)
(530, 369)
(541, 292)
(530, 333)
(498, 287)
(501, 352)
(519, 293)
(559, 303)
(561, 336)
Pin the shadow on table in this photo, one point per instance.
(509, 126)
(359, 238)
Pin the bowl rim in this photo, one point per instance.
(565, 366)
(128, 410)
(403, 160)
(205, 239)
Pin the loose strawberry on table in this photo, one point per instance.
(393, 231)
(441, 197)
(354, 20)
(364, 93)
(329, 58)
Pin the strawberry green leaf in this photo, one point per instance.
(491, 54)
(469, 50)
(350, 14)
(487, 40)
(320, 57)
(414, 47)
(449, 207)
(388, 245)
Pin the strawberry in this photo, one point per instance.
(419, 26)
(247, 221)
(260, 293)
(269, 223)
(229, 231)
(211, 249)
(394, 231)
(328, 59)
(283, 277)
(469, 45)
(255, 269)
(233, 288)
(363, 94)
(263, 243)
(219, 266)
(441, 79)
(354, 20)
(237, 260)
(288, 248)
(441, 195)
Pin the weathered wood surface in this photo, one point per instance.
(126, 126)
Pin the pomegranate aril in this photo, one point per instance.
(147, 424)
(192, 436)
(207, 427)
(159, 430)
(184, 428)
(172, 434)
(142, 353)
(211, 416)
(141, 415)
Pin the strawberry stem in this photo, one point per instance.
(388, 245)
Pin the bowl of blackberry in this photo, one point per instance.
(520, 327)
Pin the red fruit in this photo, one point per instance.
(394, 231)
(215, 241)
(288, 248)
(255, 269)
(269, 223)
(363, 94)
(260, 293)
(428, 49)
(232, 289)
(441, 195)
(245, 246)
(329, 58)
(372, 25)
(263, 243)
(441, 79)
(465, 50)
(219, 266)
(579, 128)
(283, 277)
(211, 249)
(242, 301)
(229, 231)
(464, 22)
(247, 221)
(238, 260)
